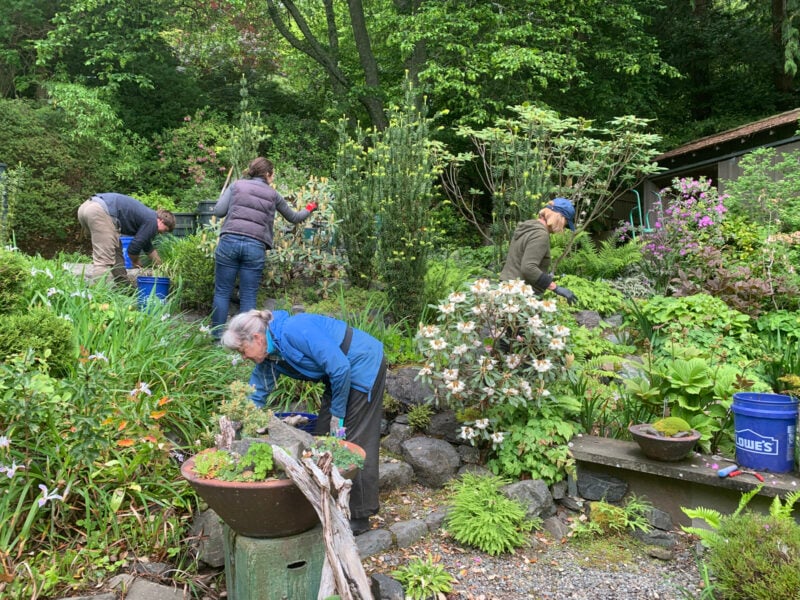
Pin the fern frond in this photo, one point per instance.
(712, 517)
(745, 500)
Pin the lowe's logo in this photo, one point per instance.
(749, 440)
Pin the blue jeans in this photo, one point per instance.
(236, 255)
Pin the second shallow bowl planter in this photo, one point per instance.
(260, 509)
(660, 447)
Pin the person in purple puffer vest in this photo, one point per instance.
(248, 206)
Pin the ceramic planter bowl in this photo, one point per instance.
(663, 448)
(261, 509)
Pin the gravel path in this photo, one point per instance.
(600, 570)
(606, 568)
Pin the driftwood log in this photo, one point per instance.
(329, 494)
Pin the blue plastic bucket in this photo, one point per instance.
(765, 427)
(151, 287)
(125, 240)
(308, 427)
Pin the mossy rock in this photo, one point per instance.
(671, 425)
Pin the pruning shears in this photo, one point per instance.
(735, 471)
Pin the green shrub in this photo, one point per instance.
(483, 517)
(419, 416)
(14, 270)
(604, 261)
(61, 172)
(190, 261)
(752, 556)
(593, 295)
(47, 335)
(424, 579)
(447, 273)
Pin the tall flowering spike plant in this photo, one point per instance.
(493, 350)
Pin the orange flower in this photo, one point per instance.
(149, 438)
(164, 400)
(157, 414)
(126, 443)
(122, 425)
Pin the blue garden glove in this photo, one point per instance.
(566, 294)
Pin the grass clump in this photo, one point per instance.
(424, 579)
(483, 517)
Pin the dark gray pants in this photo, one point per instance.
(363, 427)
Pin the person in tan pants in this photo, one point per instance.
(106, 216)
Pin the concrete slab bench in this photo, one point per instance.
(690, 482)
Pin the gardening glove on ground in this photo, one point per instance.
(567, 294)
(337, 427)
(311, 206)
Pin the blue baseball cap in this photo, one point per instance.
(564, 207)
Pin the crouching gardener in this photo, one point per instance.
(348, 361)
(106, 216)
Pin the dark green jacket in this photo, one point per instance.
(529, 255)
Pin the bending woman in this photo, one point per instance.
(348, 361)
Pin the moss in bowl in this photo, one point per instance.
(669, 439)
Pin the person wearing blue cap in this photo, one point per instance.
(529, 251)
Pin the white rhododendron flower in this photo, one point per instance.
(455, 387)
(497, 438)
(467, 433)
(460, 349)
(450, 374)
(542, 365)
(513, 361)
(447, 309)
(481, 286)
(482, 423)
(511, 391)
(428, 331)
(527, 390)
(561, 331)
(466, 327)
(425, 371)
(479, 309)
(549, 306)
(488, 391)
(557, 343)
(438, 344)
(457, 297)
(535, 321)
(486, 363)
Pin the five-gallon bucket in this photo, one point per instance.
(148, 288)
(125, 240)
(765, 426)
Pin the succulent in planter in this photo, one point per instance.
(243, 483)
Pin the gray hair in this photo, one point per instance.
(244, 326)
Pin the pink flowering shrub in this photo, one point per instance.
(690, 215)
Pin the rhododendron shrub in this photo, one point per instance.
(495, 353)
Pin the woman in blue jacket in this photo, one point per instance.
(349, 362)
